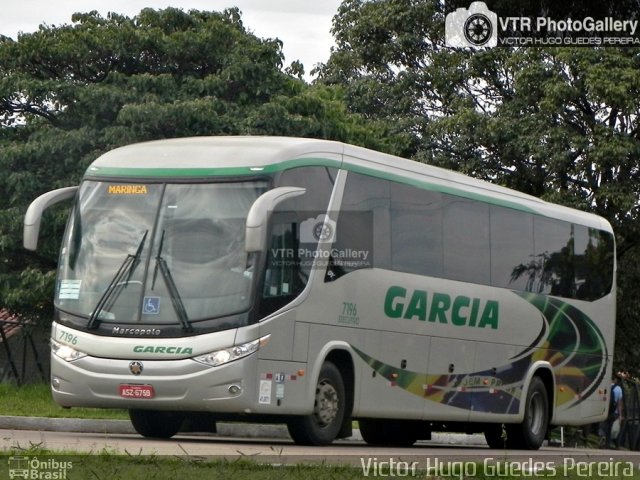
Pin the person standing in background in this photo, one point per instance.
(610, 429)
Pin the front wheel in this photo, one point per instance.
(155, 424)
(324, 423)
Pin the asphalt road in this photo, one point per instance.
(283, 451)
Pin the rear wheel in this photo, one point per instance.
(155, 424)
(395, 433)
(323, 425)
(531, 432)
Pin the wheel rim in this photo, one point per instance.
(535, 414)
(326, 405)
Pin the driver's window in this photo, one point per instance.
(286, 273)
(282, 279)
(282, 262)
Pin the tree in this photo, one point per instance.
(70, 93)
(559, 123)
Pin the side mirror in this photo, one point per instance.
(33, 216)
(258, 217)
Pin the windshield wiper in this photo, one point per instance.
(176, 300)
(118, 283)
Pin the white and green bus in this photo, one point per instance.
(314, 283)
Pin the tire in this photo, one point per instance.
(390, 433)
(323, 425)
(155, 424)
(530, 434)
(493, 436)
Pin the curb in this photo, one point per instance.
(224, 429)
(75, 425)
(81, 425)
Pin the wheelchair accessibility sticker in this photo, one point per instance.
(151, 306)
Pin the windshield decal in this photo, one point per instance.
(69, 289)
(151, 306)
(120, 189)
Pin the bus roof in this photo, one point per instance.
(210, 156)
(201, 157)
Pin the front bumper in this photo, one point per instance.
(183, 384)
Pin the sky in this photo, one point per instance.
(302, 25)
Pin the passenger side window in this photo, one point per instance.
(362, 231)
(513, 264)
(416, 230)
(425, 232)
(593, 263)
(466, 246)
(553, 243)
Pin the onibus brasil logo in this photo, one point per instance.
(38, 468)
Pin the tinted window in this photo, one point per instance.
(286, 274)
(319, 184)
(466, 240)
(593, 263)
(308, 210)
(416, 230)
(363, 223)
(553, 265)
(511, 248)
(436, 234)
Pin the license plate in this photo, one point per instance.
(136, 391)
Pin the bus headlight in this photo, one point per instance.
(65, 352)
(220, 357)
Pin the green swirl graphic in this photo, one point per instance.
(569, 341)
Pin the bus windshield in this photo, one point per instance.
(157, 253)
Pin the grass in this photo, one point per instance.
(35, 401)
(109, 466)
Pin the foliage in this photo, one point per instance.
(70, 93)
(559, 123)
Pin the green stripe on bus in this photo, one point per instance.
(124, 172)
